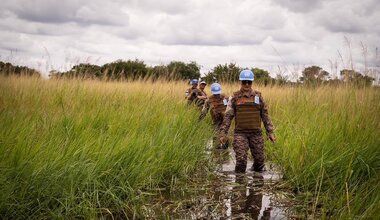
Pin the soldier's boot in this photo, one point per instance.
(260, 168)
(240, 167)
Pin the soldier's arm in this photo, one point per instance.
(205, 109)
(265, 117)
(228, 116)
(202, 96)
(192, 96)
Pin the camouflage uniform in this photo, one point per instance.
(218, 108)
(193, 97)
(247, 134)
(215, 102)
(188, 92)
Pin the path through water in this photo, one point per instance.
(224, 194)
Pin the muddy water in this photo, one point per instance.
(223, 194)
(251, 195)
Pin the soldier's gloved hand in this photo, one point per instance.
(271, 137)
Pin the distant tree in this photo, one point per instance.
(84, 71)
(10, 69)
(351, 76)
(181, 70)
(194, 70)
(133, 69)
(262, 76)
(314, 75)
(130, 69)
(281, 79)
(210, 77)
(54, 74)
(224, 73)
(160, 71)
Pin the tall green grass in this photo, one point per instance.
(329, 148)
(86, 148)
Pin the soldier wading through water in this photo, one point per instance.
(249, 109)
(194, 85)
(195, 95)
(217, 102)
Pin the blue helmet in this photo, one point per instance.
(246, 75)
(194, 81)
(216, 88)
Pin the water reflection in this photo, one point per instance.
(225, 195)
(246, 197)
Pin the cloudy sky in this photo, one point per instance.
(276, 35)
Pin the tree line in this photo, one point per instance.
(10, 69)
(178, 70)
(225, 73)
(132, 70)
(175, 70)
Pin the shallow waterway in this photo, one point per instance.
(224, 194)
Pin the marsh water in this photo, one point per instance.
(224, 194)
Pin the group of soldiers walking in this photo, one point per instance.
(248, 108)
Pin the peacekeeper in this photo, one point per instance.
(194, 85)
(217, 102)
(249, 109)
(198, 96)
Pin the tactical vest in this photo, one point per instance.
(247, 113)
(217, 104)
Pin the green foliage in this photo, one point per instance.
(224, 73)
(159, 72)
(79, 149)
(9, 69)
(81, 71)
(328, 139)
(313, 75)
(83, 149)
(228, 73)
(356, 78)
(262, 76)
(130, 69)
(184, 71)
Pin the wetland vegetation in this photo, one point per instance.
(91, 149)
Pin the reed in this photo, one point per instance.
(328, 147)
(72, 148)
(328, 140)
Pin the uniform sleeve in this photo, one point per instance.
(265, 117)
(191, 96)
(228, 116)
(205, 109)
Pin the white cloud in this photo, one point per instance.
(265, 34)
(302, 6)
